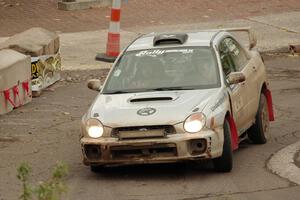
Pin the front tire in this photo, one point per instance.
(224, 163)
(258, 131)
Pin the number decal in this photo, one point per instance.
(34, 70)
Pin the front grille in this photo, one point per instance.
(156, 150)
(136, 132)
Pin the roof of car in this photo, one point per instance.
(202, 38)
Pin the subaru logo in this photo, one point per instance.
(146, 111)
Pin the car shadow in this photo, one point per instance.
(156, 171)
(246, 144)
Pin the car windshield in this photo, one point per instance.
(185, 68)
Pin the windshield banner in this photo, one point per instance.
(160, 52)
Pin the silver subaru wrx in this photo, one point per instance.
(177, 97)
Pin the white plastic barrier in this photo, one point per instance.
(45, 71)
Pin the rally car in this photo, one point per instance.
(178, 96)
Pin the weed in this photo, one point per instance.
(51, 189)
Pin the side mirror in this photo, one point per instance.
(94, 84)
(235, 77)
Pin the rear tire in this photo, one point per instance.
(224, 163)
(258, 131)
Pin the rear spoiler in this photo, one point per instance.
(252, 38)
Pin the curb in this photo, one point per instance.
(283, 163)
(297, 159)
(291, 49)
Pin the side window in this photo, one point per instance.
(227, 62)
(238, 55)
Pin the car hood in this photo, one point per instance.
(171, 107)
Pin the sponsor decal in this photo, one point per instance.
(160, 52)
(117, 73)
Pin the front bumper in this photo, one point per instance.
(206, 144)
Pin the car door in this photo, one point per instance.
(237, 91)
(245, 64)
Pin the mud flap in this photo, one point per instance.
(268, 95)
(234, 133)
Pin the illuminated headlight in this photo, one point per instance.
(94, 128)
(194, 123)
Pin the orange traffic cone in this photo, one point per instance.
(113, 37)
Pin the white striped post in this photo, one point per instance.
(113, 37)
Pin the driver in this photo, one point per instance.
(203, 71)
(149, 73)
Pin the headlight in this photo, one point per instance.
(194, 123)
(94, 128)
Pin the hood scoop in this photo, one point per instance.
(144, 99)
(154, 97)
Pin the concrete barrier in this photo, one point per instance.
(43, 47)
(34, 42)
(81, 4)
(15, 80)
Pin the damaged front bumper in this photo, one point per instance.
(206, 144)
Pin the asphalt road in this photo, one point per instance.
(47, 131)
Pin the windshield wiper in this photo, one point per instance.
(116, 92)
(151, 89)
(172, 88)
